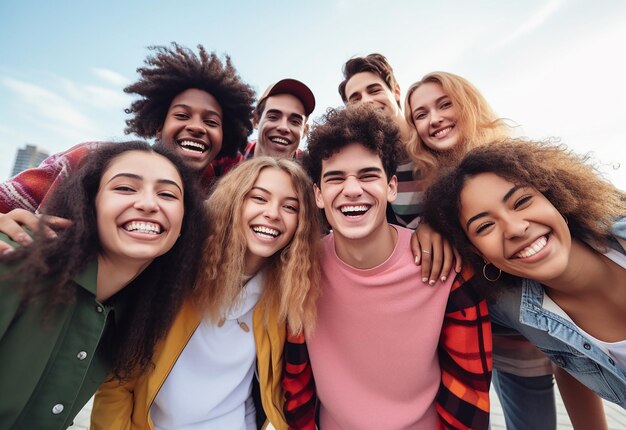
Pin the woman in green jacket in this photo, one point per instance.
(89, 301)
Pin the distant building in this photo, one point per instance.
(29, 156)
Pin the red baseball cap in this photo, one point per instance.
(296, 89)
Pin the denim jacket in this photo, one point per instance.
(521, 309)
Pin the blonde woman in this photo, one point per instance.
(259, 279)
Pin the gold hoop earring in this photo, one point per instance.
(487, 277)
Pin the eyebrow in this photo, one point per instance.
(280, 112)
(360, 172)
(138, 177)
(270, 193)
(436, 101)
(182, 105)
(506, 197)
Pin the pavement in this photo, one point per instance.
(616, 416)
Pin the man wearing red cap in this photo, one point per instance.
(280, 117)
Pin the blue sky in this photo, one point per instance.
(555, 67)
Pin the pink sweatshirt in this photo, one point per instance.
(374, 349)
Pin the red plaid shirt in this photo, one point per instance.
(28, 189)
(465, 356)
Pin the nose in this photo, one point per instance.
(146, 202)
(367, 98)
(271, 211)
(283, 125)
(352, 186)
(196, 126)
(515, 227)
(435, 117)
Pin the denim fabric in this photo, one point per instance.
(521, 309)
(527, 402)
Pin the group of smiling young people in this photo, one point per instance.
(189, 283)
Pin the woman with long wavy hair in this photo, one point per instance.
(221, 363)
(99, 294)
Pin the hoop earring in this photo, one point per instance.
(566, 220)
(487, 277)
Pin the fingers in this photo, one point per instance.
(415, 248)
(459, 261)
(437, 258)
(448, 259)
(15, 222)
(12, 223)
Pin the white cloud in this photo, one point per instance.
(46, 104)
(111, 77)
(535, 21)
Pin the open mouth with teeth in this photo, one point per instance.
(443, 132)
(354, 210)
(189, 145)
(280, 141)
(265, 232)
(143, 227)
(533, 248)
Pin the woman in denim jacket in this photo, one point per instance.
(537, 217)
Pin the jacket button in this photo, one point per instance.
(99, 309)
(57, 409)
(560, 361)
(81, 355)
(586, 346)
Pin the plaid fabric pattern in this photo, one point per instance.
(298, 385)
(28, 189)
(465, 357)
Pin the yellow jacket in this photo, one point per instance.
(127, 406)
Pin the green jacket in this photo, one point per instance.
(49, 369)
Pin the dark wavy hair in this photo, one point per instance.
(373, 63)
(172, 70)
(363, 124)
(566, 179)
(153, 298)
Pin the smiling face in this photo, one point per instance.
(354, 192)
(270, 216)
(281, 126)
(367, 87)
(435, 117)
(515, 228)
(193, 128)
(139, 208)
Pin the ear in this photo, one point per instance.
(392, 189)
(255, 122)
(306, 129)
(396, 93)
(159, 132)
(318, 197)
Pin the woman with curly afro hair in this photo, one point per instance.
(547, 239)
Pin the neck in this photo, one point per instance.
(587, 273)
(114, 276)
(367, 252)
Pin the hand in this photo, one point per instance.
(435, 254)
(12, 224)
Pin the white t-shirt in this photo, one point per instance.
(210, 385)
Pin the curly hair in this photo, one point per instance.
(173, 70)
(373, 63)
(568, 181)
(363, 124)
(291, 275)
(477, 122)
(153, 298)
